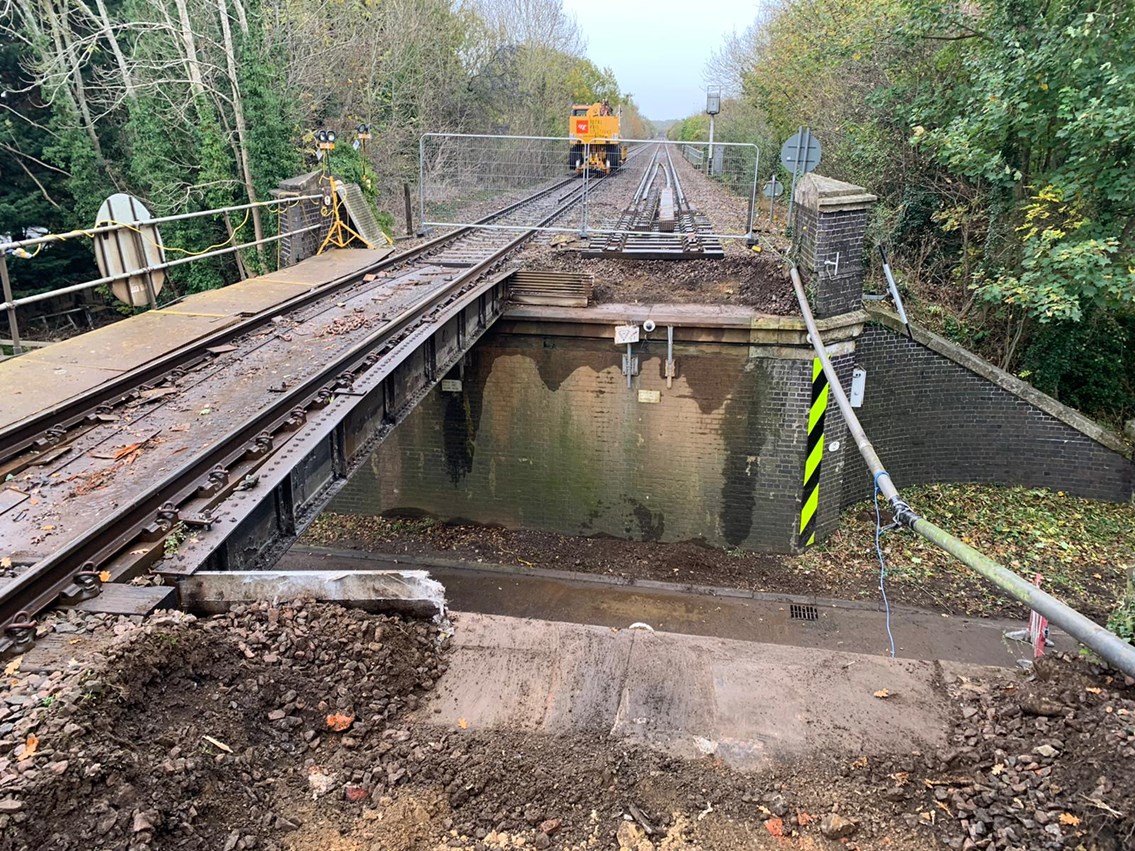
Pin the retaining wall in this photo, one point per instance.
(546, 435)
(938, 413)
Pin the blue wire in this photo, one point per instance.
(882, 563)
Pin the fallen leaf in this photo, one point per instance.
(32, 745)
(339, 722)
(882, 694)
(5, 563)
(1068, 818)
(12, 666)
(1092, 690)
(217, 743)
(775, 826)
(462, 723)
(104, 576)
(48, 527)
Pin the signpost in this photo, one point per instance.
(799, 155)
(627, 335)
(773, 190)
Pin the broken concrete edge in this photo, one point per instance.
(1006, 381)
(404, 591)
(647, 584)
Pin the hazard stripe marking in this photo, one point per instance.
(814, 456)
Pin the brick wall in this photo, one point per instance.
(296, 216)
(829, 227)
(931, 419)
(546, 435)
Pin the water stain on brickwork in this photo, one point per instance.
(711, 379)
(744, 440)
(461, 418)
(555, 368)
(651, 524)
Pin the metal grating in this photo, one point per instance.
(803, 612)
(362, 216)
(563, 289)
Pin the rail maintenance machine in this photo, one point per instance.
(596, 126)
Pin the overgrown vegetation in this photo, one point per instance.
(193, 106)
(1080, 547)
(1000, 138)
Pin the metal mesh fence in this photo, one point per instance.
(464, 178)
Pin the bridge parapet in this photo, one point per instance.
(830, 231)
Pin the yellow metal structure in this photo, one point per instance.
(595, 142)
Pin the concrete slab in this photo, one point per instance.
(409, 591)
(28, 386)
(130, 343)
(115, 599)
(245, 298)
(53, 374)
(332, 264)
(749, 704)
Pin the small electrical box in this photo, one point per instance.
(858, 386)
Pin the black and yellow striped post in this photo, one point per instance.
(814, 455)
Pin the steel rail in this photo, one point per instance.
(1110, 647)
(38, 587)
(22, 436)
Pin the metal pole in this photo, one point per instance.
(422, 183)
(795, 169)
(709, 162)
(895, 292)
(13, 322)
(586, 172)
(771, 198)
(753, 193)
(1107, 645)
(409, 210)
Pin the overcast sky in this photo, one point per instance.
(658, 48)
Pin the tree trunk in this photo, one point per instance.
(65, 49)
(241, 127)
(103, 19)
(192, 63)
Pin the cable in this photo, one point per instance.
(882, 562)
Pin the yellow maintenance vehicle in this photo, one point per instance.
(596, 126)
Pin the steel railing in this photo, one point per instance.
(10, 304)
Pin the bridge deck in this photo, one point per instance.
(44, 378)
(106, 466)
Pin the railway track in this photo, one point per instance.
(660, 223)
(178, 497)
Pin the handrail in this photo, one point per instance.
(1110, 647)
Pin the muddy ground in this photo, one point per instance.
(306, 726)
(685, 563)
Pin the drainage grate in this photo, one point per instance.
(803, 612)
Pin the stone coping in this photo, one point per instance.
(828, 195)
(732, 324)
(1006, 381)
